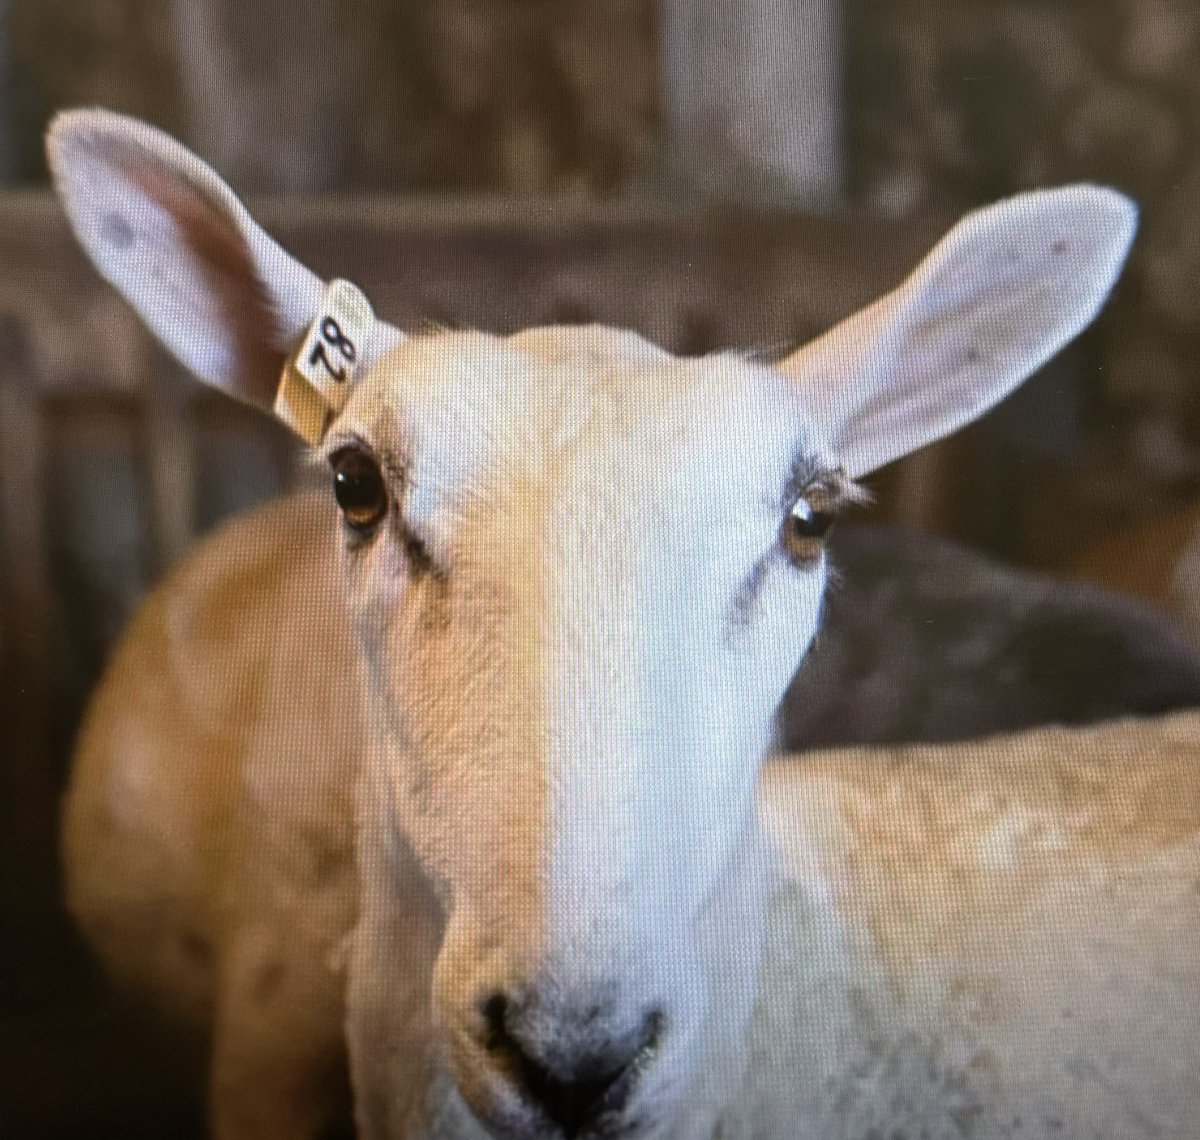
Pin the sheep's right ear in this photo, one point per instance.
(165, 229)
(994, 300)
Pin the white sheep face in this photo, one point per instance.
(581, 572)
(579, 613)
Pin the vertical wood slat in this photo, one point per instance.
(922, 495)
(27, 778)
(753, 99)
(168, 449)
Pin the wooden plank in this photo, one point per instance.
(28, 790)
(168, 448)
(752, 279)
(752, 98)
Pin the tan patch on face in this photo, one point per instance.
(465, 665)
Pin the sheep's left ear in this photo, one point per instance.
(994, 300)
(164, 228)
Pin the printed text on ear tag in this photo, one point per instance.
(316, 379)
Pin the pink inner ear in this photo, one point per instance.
(224, 257)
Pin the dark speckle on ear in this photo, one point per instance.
(1059, 247)
(118, 232)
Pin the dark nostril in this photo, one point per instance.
(576, 1103)
(573, 1092)
(495, 1022)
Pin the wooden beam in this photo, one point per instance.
(752, 98)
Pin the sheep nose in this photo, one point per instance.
(573, 1087)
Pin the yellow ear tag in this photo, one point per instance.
(318, 376)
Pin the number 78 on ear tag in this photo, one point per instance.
(318, 376)
(337, 343)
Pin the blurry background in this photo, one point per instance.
(710, 172)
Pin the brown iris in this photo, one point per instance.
(359, 487)
(804, 530)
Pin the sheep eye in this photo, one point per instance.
(805, 529)
(359, 487)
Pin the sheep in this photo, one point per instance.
(467, 787)
(923, 640)
(950, 908)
